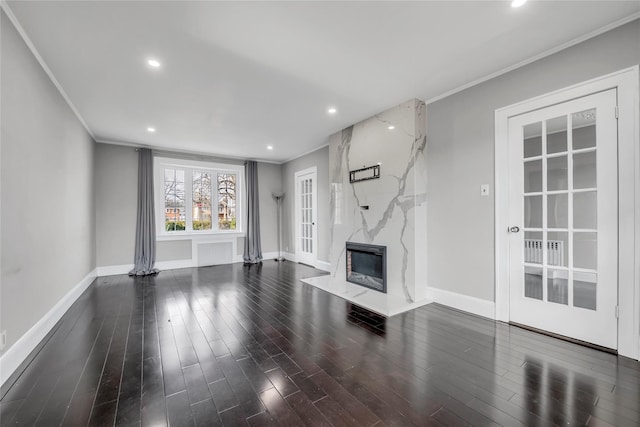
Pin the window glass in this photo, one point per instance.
(174, 203)
(201, 206)
(226, 201)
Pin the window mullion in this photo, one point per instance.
(215, 200)
(188, 195)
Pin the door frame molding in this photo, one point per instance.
(296, 213)
(627, 83)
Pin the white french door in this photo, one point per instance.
(306, 205)
(563, 198)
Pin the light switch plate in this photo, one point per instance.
(484, 190)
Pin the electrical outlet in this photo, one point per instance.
(484, 190)
(3, 339)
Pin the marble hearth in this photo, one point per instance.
(389, 211)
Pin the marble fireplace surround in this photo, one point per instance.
(389, 211)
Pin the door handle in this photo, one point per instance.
(513, 229)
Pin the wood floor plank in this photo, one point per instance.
(179, 410)
(281, 382)
(223, 396)
(279, 408)
(205, 414)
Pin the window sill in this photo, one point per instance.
(199, 236)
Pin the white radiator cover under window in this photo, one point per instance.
(214, 253)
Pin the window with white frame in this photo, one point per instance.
(194, 197)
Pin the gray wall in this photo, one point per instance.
(320, 159)
(460, 139)
(48, 212)
(270, 181)
(116, 194)
(116, 203)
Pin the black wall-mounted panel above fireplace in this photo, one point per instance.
(367, 265)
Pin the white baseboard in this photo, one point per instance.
(290, 257)
(114, 270)
(18, 352)
(323, 265)
(463, 302)
(320, 265)
(266, 256)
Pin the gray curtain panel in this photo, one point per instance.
(252, 247)
(145, 254)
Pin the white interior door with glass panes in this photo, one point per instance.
(563, 215)
(306, 206)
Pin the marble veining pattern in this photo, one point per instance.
(396, 201)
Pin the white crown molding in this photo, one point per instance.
(174, 151)
(537, 57)
(43, 64)
(306, 153)
(13, 357)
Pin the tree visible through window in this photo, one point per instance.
(226, 201)
(174, 200)
(201, 206)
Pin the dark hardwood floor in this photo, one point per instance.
(234, 345)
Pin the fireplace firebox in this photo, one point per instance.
(367, 265)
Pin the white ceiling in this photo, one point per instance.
(238, 76)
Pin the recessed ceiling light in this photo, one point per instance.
(391, 127)
(518, 3)
(269, 147)
(153, 63)
(151, 130)
(332, 110)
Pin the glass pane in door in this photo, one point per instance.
(557, 135)
(584, 129)
(557, 211)
(533, 247)
(533, 282)
(558, 286)
(557, 173)
(584, 290)
(585, 210)
(533, 212)
(533, 140)
(533, 176)
(584, 170)
(557, 248)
